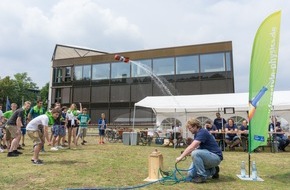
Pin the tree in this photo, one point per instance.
(18, 90)
(44, 94)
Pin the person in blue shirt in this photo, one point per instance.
(232, 138)
(281, 138)
(220, 122)
(205, 152)
(102, 124)
(83, 121)
(244, 130)
(211, 128)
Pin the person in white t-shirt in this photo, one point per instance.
(35, 132)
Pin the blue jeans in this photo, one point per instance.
(203, 163)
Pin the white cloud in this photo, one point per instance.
(30, 29)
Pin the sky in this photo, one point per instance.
(30, 29)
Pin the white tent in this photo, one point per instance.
(183, 107)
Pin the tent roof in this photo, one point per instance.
(209, 102)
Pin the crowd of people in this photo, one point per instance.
(236, 136)
(59, 127)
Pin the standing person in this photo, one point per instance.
(83, 120)
(102, 124)
(36, 110)
(71, 117)
(56, 129)
(244, 130)
(232, 138)
(205, 152)
(220, 122)
(13, 126)
(62, 126)
(1, 114)
(6, 116)
(35, 132)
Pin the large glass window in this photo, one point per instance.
(57, 75)
(228, 61)
(141, 68)
(120, 70)
(187, 64)
(78, 72)
(82, 72)
(163, 66)
(101, 71)
(87, 72)
(67, 74)
(212, 62)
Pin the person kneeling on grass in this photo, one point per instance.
(205, 152)
(35, 132)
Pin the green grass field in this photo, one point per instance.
(118, 165)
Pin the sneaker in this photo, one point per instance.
(12, 154)
(82, 143)
(17, 152)
(1, 150)
(38, 162)
(199, 179)
(54, 148)
(60, 147)
(20, 148)
(32, 160)
(188, 179)
(216, 175)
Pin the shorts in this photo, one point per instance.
(62, 131)
(102, 132)
(23, 130)
(71, 126)
(36, 136)
(232, 138)
(82, 132)
(12, 130)
(55, 130)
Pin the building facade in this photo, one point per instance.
(104, 85)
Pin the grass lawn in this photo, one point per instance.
(118, 165)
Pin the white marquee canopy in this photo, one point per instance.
(205, 106)
(209, 102)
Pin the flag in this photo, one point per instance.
(262, 79)
(8, 105)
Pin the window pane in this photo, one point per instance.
(78, 73)
(143, 68)
(163, 66)
(212, 62)
(101, 71)
(87, 72)
(57, 75)
(68, 74)
(120, 70)
(228, 61)
(187, 64)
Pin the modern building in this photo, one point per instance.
(103, 84)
